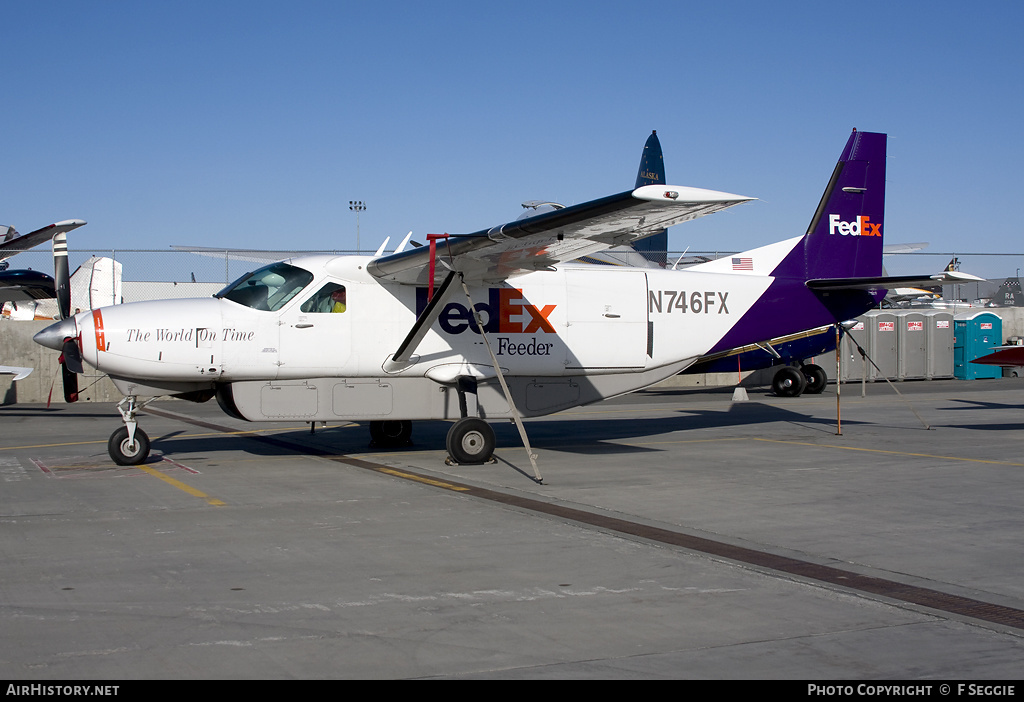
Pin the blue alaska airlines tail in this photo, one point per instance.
(652, 172)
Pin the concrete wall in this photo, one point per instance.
(1013, 320)
(18, 349)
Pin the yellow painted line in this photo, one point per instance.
(182, 486)
(420, 479)
(893, 453)
(68, 443)
(252, 432)
(507, 449)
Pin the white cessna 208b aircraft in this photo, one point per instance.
(490, 325)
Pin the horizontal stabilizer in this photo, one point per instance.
(891, 282)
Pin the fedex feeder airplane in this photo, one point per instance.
(496, 324)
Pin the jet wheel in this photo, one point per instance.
(789, 382)
(470, 440)
(124, 452)
(816, 377)
(391, 433)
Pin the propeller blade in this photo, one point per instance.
(70, 384)
(71, 356)
(61, 276)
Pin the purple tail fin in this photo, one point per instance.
(844, 239)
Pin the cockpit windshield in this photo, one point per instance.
(268, 288)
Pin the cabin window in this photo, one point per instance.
(331, 297)
(268, 288)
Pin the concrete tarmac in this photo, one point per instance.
(676, 534)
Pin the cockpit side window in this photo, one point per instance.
(268, 288)
(330, 298)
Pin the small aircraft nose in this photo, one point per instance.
(53, 336)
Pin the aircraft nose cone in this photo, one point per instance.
(53, 336)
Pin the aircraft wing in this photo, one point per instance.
(266, 256)
(541, 241)
(26, 241)
(890, 249)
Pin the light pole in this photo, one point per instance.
(357, 206)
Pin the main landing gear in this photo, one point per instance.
(470, 440)
(791, 381)
(129, 445)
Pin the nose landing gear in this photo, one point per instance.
(129, 445)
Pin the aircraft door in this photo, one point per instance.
(316, 335)
(607, 318)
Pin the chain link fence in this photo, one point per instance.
(148, 274)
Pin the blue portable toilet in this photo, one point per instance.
(975, 334)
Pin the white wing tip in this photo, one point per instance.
(684, 193)
(958, 276)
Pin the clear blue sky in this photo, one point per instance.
(252, 124)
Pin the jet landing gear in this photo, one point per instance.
(129, 445)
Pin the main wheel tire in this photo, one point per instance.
(789, 382)
(123, 452)
(470, 440)
(392, 432)
(816, 377)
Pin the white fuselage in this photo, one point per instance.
(564, 337)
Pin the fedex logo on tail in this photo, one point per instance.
(505, 312)
(862, 227)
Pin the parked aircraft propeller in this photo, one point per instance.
(71, 355)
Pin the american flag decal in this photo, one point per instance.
(743, 264)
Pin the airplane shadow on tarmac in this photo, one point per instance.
(566, 434)
(596, 435)
(971, 405)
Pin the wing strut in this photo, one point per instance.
(401, 357)
(501, 379)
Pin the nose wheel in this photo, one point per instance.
(129, 445)
(128, 451)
